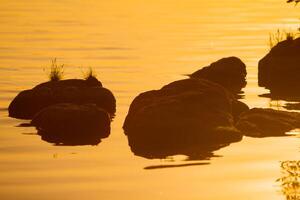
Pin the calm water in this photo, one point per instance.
(135, 46)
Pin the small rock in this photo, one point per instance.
(229, 72)
(261, 122)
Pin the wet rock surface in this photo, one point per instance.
(70, 124)
(229, 72)
(181, 117)
(29, 102)
(262, 122)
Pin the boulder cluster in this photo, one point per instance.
(193, 116)
(201, 114)
(68, 112)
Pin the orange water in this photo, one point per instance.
(135, 46)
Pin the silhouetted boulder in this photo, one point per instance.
(71, 124)
(260, 122)
(229, 72)
(27, 103)
(292, 106)
(238, 108)
(181, 117)
(279, 70)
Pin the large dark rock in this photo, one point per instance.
(181, 117)
(229, 72)
(27, 103)
(279, 70)
(260, 122)
(71, 124)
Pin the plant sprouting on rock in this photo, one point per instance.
(90, 73)
(56, 71)
(279, 36)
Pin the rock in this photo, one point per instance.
(292, 106)
(29, 102)
(71, 124)
(79, 83)
(279, 70)
(229, 72)
(185, 114)
(260, 122)
(238, 108)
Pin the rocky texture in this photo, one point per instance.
(229, 72)
(238, 108)
(259, 122)
(279, 70)
(292, 106)
(29, 102)
(182, 116)
(70, 124)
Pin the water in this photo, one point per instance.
(135, 46)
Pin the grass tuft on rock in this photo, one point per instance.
(90, 73)
(279, 36)
(56, 71)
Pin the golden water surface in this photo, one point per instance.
(135, 46)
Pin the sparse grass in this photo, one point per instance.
(279, 36)
(56, 71)
(89, 74)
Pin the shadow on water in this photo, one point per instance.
(290, 179)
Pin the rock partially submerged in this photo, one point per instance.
(229, 72)
(29, 102)
(279, 70)
(260, 122)
(185, 114)
(70, 124)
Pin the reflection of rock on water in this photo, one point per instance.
(195, 151)
(290, 179)
(70, 124)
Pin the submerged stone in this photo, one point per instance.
(262, 122)
(70, 124)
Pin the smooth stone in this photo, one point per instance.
(229, 72)
(279, 70)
